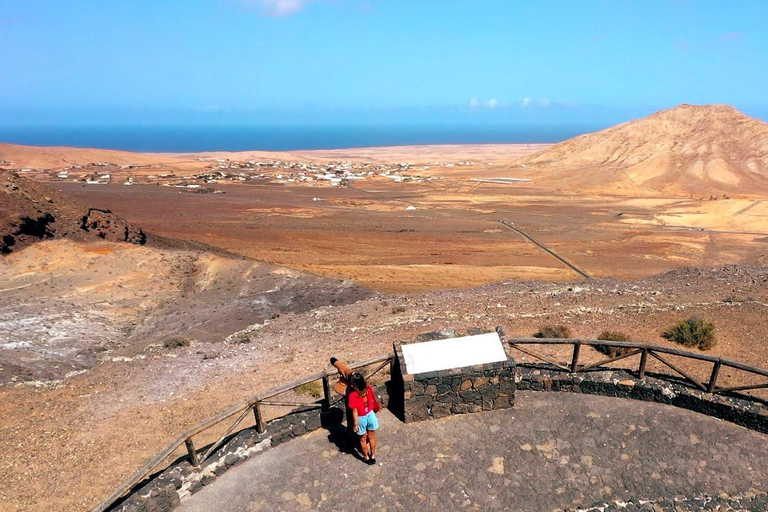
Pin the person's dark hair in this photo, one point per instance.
(358, 382)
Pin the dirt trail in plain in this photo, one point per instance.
(545, 249)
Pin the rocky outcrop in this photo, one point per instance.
(108, 226)
(30, 212)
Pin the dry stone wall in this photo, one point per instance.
(620, 383)
(164, 491)
(437, 394)
(472, 389)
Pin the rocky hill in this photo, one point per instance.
(687, 150)
(31, 212)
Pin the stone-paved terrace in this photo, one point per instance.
(551, 451)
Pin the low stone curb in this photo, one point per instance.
(622, 384)
(751, 502)
(165, 491)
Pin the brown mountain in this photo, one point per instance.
(687, 150)
(30, 212)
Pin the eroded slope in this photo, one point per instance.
(699, 150)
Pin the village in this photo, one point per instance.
(228, 171)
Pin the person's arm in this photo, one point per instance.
(354, 419)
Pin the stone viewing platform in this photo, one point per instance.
(559, 451)
(552, 451)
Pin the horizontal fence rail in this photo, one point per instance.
(241, 411)
(253, 405)
(644, 350)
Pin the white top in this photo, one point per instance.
(430, 356)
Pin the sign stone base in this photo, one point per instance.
(478, 387)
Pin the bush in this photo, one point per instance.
(612, 336)
(553, 331)
(239, 338)
(313, 389)
(692, 332)
(176, 342)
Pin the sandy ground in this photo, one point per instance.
(253, 325)
(55, 157)
(66, 306)
(75, 442)
(451, 237)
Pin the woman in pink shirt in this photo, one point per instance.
(364, 404)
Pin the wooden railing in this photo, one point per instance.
(254, 405)
(644, 350)
(242, 410)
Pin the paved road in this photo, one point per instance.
(553, 451)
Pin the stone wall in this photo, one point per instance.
(436, 394)
(164, 491)
(433, 395)
(749, 502)
(619, 383)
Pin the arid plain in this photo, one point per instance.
(265, 263)
(428, 217)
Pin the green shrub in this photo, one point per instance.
(553, 331)
(692, 332)
(313, 389)
(612, 336)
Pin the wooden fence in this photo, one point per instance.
(254, 405)
(630, 349)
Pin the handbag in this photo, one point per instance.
(376, 404)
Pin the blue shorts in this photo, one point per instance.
(366, 423)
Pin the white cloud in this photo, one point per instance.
(490, 104)
(279, 7)
(530, 102)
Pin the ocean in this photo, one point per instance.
(197, 138)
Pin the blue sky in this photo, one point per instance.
(386, 60)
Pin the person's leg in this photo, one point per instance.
(372, 442)
(373, 424)
(362, 432)
(364, 445)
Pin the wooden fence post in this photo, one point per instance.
(643, 361)
(258, 418)
(575, 360)
(713, 377)
(326, 392)
(193, 458)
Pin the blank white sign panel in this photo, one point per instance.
(430, 356)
